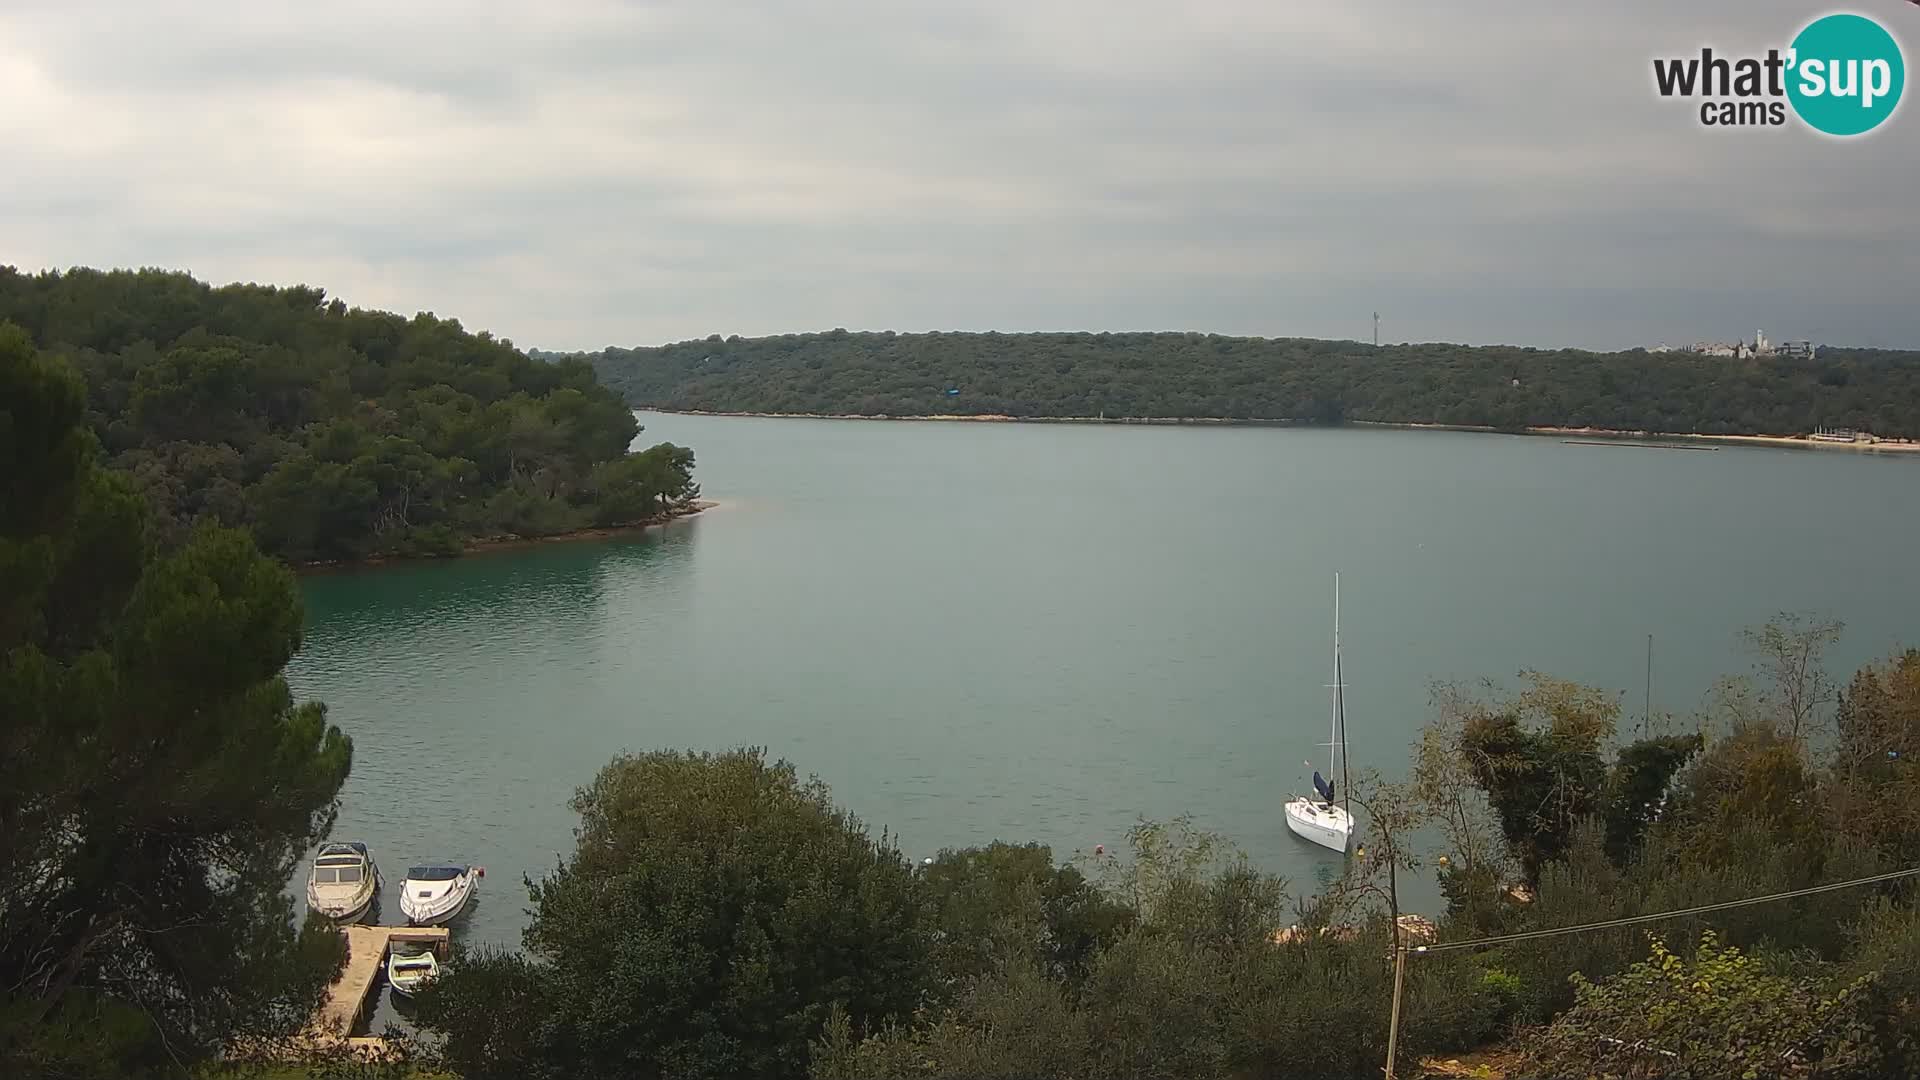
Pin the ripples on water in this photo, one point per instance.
(1028, 632)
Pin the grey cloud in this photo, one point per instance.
(573, 175)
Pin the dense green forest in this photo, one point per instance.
(334, 432)
(1301, 379)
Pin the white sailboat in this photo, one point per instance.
(1323, 820)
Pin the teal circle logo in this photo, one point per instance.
(1845, 74)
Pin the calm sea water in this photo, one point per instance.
(981, 631)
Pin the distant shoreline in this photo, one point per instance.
(1791, 442)
(511, 541)
(1636, 437)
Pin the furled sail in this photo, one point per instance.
(1323, 787)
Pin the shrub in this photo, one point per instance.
(1717, 1015)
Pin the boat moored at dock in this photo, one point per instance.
(410, 966)
(342, 881)
(435, 894)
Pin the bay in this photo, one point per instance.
(1041, 632)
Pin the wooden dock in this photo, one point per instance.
(329, 1034)
(366, 955)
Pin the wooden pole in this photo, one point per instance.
(1399, 977)
(1399, 948)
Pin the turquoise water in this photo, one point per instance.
(980, 631)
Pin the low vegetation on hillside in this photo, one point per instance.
(1300, 379)
(336, 433)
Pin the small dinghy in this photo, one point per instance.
(410, 966)
(343, 881)
(432, 895)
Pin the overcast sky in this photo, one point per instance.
(572, 174)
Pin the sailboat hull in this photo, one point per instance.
(1329, 826)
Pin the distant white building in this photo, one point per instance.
(1742, 350)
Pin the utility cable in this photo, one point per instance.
(1630, 920)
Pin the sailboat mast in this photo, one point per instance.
(1333, 731)
(1646, 715)
(1339, 701)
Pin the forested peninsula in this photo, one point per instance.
(1196, 376)
(337, 433)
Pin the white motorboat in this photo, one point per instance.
(410, 966)
(432, 895)
(342, 881)
(1322, 819)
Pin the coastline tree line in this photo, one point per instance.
(334, 433)
(1298, 379)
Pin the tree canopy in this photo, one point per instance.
(715, 911)
(335, 433)
(972, 893)
(1299, 379)
(158, 784)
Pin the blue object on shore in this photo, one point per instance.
(953, 391)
